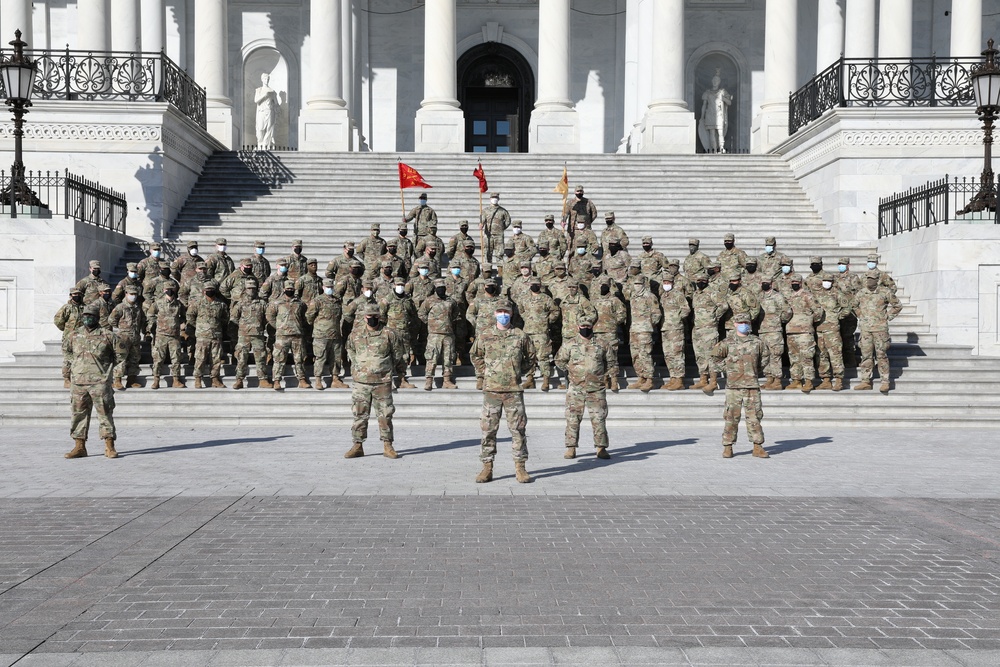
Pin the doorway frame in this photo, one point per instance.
(491, 51)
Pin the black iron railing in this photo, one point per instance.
(71, 196)
(859, 82)
(115, 75)
(932, 204)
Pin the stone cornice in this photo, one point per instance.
(84, 132)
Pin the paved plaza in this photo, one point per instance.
(266, 547)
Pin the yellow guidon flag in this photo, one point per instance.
(563, 188)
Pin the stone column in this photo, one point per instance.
(967, 28)
(895, 29)
(125, 25)
(440, 124)
(16, 15)
(859, 29)
(829, 33)
(770, 127)
(669, 125)
(325, 124)
(153, 25)
(211, 40)
(554, 125)
(92, 25)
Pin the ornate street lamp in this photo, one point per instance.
(986, 86)
(18, 75)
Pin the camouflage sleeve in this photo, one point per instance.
(424, 308)
(151, 319)
(192, 316)
(656, 313)
(271, 314)
(60, 318)
(562, 358)
(721, 350)
(764, 356)
(312, 311)
(894, 306)
(476, 351)
(786, 310)
(529, 358)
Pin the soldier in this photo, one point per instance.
(440, 314)
(480, 317)
(219, 264)
(800, 333)
(374, 352)
(233, 286)
(431, 240)
(150, 264)
(707, 311)
(182, 268)
(652, 263)
(191, 294)
(275, 283)
(524, 245)
(166, 320)
(555, 238)
(675, 309)
(835, 305)
(456, 243)
(260, 265)
(586, 360)
(775, 314)
(783, 281)
(505, 353)
(430, 258)
(348, 286)
(739, 299)
(581, 211)
(696, 261)
(611, 314)
(850, 284)
(309, 285)
(421, 287)
(88, 284)
(401, 316)
(352, 310)
(324, 315)
(152, 287)
(128, 323)
(769, 263)
(752, 279)
(493, 221)
(67, 319)
(613, 232)
(370, 249)
(617, 261)
(559, 285)
(681, 282)
(423, 216)
(456, 286)
(646, 317)
(475, 289)
(287, 315)
(884, 279)
(209, 318)
(510, 265)
(404, 246)
(571, 307)
(382, 283)
(297, 262)
(341, 264)
(466, 260)
(544, 265)
(519, 284)
(131, 278)
(391, 255)
(92, 350)
(814, 281)
(104, 303)
(875, 306)
(591, 243)
(742, 356)
(249, 315)
(731, 258)
(539, 314)
(579, 260)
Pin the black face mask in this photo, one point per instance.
(356, 271)
(491, 289)
(289, 292)
(246, 270)
(549, 225)
(432, 253)
(609, 222)
(796, 287)
(89, 321)
(508, 253)
(586, 332)
(816, 268)
(387, 271)
(402, 232)
(729, 245)
(751, 268)
(463, 229)
(702, 285)
(78, 298)
(350, 253)
(210, 294)
(733, 287)
(544, 252)
(171, 295)
(692, 249)
(95, 272)
(391, 251)
(605, 289)
(297, 250)
(766, 287)
(614, 248)
(595, 271)
(470, 251)
(536, 288)
(372, 320)
(579, 195)
(441, 292)
(647, 248)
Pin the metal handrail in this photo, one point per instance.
(75, 197)
(931, 204)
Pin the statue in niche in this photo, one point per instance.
(715, 116)
(266, 100)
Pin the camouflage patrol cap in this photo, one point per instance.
(376, 227)
(752, 260)
(246, 261)
(788, 261)
(399, 280)
(288, 285)
(155, 246)
(525, 264)
(423, 195)
(488, 270)
(635, 263)
(95, 263)
(735, 275)
(815, 259)
(391, 243)
(250, 283)
(825, 275)
(770, 240)
(673, 262)
(211, 284)
(494, 195)
(844, 260)
(560, 265)
(517, 223)
(694, 242)
(131, 289)
(715, 265)
(367, 282)
(221, 241)
(259, 244)
(192, 244)
(103, 287)
(585, 320)
(163, 265)
(578, 188)
(296, 242)
(610, 215)
(795, 278)
(667, 279)
(549, 218)
(386, 264)
(741, 317)
(638, 280)
(422, 263)
(489, 281)
(75, 290)
(873, 257)
(503, 305)
(701, 276)
(93, 309)
(468, 243)
(200, 264)
(581, 243)
(350, 244)
(729, 237)
(283, 261)
(329, 282)
(463, 223)
(573, 283)
(647, 239)
(543, 244)
(873, 274)
(354, 262)
(371, 310)
(439, 282)
(131, 266)
(533, 280)
(401, 227)
(312, 262)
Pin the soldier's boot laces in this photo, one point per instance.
(884, 387)
(838, 384)
(520, 473)
(178, 383)
(79, 449)
(614, 383)
(133, 382)
(197, 382)
(570, 453)
(238, 383)
(318, 385)
(388, 452)
(635, 385)
(217, 383)
(109, 448)
(486, 474)
(646, 385)
(864, 385)
(545, 384)
(825, 384)
(602, 453)
(448, 381)
(356, 451)
(264, 383)
(713, 384)
(807, 386)
(118, 384)
(794, 384)
(702, 382)
(727, 451)
(479, 384)
(529, 383)
(156, 382)
(405, 384)
(760, 452)
(304, 384)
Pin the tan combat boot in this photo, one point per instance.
(864, 385)
(304, 384)
(825, 384)
(337, 383)
(614, 384)
(646, 385)
(79, 450)
(178, 383)
(109, 448)
(727, 451)
(884, 387)
(197, 382)
(520, 473)
(276, 384)
(387, 450)
(217, 383)
(570, 453)
(635, 385)
(238, 383)
(429, 383)
(794, 384)
(838, 384)
(486, 474)
(713, 384)
(356, 451)
(118, 384)
(405, 384)
(529, 383)
(545, 384)
(448, 381)
(479, 385)
(702, 382)
(318, 385)
(807, 386)
(133, 382)
(156, 382)
(760, 452)
(264, 383)
(602, 453)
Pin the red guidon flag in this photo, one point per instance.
(410, 178)
(481, 175)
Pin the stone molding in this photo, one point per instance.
(894, 138)
(84, 131)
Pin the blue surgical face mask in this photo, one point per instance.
(282, 269)
(842, 268)
(786, 270)
(455, 271)
(872, 265)
(503, 319)
(743, 328)
(581, 251)
(769, 248)
(423, 272)
(156, 253)
(133, 275)
(259, 251)
(328, 291)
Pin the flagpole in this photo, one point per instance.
(402, 199)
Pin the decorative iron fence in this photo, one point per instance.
(114, 75)
(931, 204)
(858, 82)
(74, 197)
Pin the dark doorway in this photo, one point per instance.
(497, 92)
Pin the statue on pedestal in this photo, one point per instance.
(266, 100)
(714, 116)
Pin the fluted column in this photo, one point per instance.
(325, 124)
(440, 123)
(770, 127)
(16, 15)
(92, 25)
(153, 25)
(829, 32)
(554, 126)
(211, 70)
(895, 28)
(125, 25)
(966, 28)
(669, 126)
(859, 29)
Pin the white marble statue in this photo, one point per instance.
(715, 116)
(266, 100)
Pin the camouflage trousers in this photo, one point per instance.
(208, 350)
(406, 349)
(829, 349)
(596, 402)
(166, 347)
(848, 327)
(494, 404)
(801, 349)
(703, 340)
(363, 397)
(775, 342)
(641, 345)
(493, 251)
(874, 349)
(672, 343)
(610, 338)
(244, 346)
(127, 351)
(85, 397)
(543, 349)
(67, 356)
(283, 346)
(746, 401)
(328, 353)
(440, 346)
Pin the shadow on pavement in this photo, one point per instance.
(783, 446)
(199, 445)
(640, 451)
(444, 447)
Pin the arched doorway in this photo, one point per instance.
(496, 89)
(725, 67)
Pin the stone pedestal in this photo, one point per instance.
(220, 125)
(770, 127)
(668, 128)
(439, 128)
(325, 128)
(554, 129)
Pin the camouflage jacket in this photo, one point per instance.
(494, 220)
(571, 308)
(218, 266)
(183, 267)
(250, 317)
(612, 233)
(769, 265)
(645, 311)
(127, 320)
(298, 266)
(707, 309)
(581, 210)
(167, 317)
(545, 268)
(505, 355)
(731, 260)
(373, 354)
(430, 241)
(422, 217)
(456, 287)
(192, 291)
(481, 312)
(209, 318)
(260, 267)
(586, 362)
(347, 288)
(339, 266)
(456, 245)
(118, 295)
(423, 287)
(742, 300)
(369, 249)
(875, 309)
(67, 318)
(287, 316)
(326, 313)
(776, 312)
(524, 246)
(433, 267)
(695, 263)
(234, 286)
(675, 308)
(469, 265)
(557, 242)
(616, 265)
(308, 287)
(835, 304)
(400, 313)
(742, 358)
(440, 315)
(653, 264)
(806, 313)
(352, 307)
(611, 313)
(539, 313)
(93, 354)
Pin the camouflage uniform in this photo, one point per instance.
(740, 300)
(652, 263)
(681, 282)
(731, 258)
(219, 264)
(705, 334)
(554, 237)
(67, 319)
(374, 355)
(440, 314)
(128, 323)
(776, 312)
(494, 220)
(800, 333)
(370, 249)
(131, 278)
(324, 315)
(571, 307)
(401, 315)
(208, 318)
(341, 264)
(397, 264)
(586, 362)
(539, 314)
(849, 284)
(611, 314)
(545, 264)
(423, 216)
(259, 264)
(404, 247)
(287, 315)
(466, 260)
(297, 262)
(742, 358)
(480, 318)
(309, 285)
(150, 264)
(167, 317)
(249, 315)
(88, 284)
(613, 233)
(182, 269)
(696, 261)
(93, 355)
(524, 246)
(580, 211)
(828, 343)
(431, 240)
(675, 309)
(875, 306)
(769, 263)
(616, 263)
(644, 309)
(814, 281)
(456, 244)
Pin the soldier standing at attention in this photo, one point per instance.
(505, 354)
(166, 320)
(128, 323)
(422, 216)
(611, 314)
(554, 238)
(219, 264)
(742, 357)
(440, 314)
(183, 267)
(493, 222)
(456, 244)
(249, 316)
(288, 317)
(261, 265)
(325, 315)
(676, 309)
(646, 314)
(297, 262)
(586, 362)
(374, 354)
(696, 261)
(775, 314)
(66, 319)
(581, 211)
(93, 352)
(801, 334)
(539, 314)
(209, 318)
(835, 305)
(875, 306)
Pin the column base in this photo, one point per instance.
(325, 130)
(668, 130)
(770, 127)
(219, 123)
(439, 129)
(554, 130)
